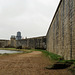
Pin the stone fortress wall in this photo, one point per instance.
(61, 33)
(4, 43)
(35, 43)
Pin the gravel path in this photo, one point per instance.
(27, 64)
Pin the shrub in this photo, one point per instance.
(19, 47)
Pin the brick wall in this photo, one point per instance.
(3, 43)
(61, 33)
(37, 42)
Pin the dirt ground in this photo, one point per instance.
(27, 64)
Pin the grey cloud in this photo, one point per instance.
(31, 17)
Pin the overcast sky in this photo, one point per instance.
(31, 17)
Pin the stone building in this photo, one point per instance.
(61, 33)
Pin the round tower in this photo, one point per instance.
(18, 37)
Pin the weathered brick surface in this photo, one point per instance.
(61, 33)
(35, 43)
(3, 43)
(38, 42)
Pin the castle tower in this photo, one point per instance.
(12, 37)
(12, 42)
